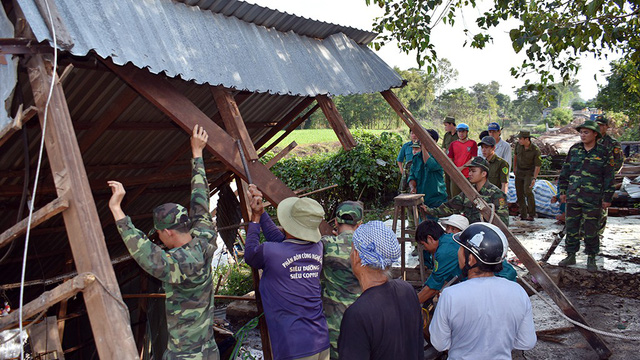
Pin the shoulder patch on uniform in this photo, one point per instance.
(502, 202)
(616, 150)
(505, 170)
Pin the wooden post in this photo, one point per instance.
(38, 217)
(529, 262)
(336, 121)
(109, 319)
(233, 122)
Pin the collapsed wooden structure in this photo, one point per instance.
(129, 80)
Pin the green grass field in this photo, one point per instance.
(311, 136)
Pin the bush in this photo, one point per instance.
(559, 117)
(239, 281)
(368, 172)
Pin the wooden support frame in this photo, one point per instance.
(109, 320)
(529, 262)
(281, 154)
(336, 121)
(290, 128)
(21, 118)
(286, 120)
(45, 213)
(49, 298)
(232, 119)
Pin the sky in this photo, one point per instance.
(473, 65)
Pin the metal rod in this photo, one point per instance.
(244, 162)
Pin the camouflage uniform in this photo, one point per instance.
(185, 272)
(460, 203)
(615, 150)
(587, 181)
(340, 288)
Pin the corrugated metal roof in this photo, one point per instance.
(208, 47)
(281, 21)
(8, 72)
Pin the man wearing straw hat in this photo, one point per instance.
(290, 283)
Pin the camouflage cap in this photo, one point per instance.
(167, 216)
(591, 125)
(480, 162)
(349, 212)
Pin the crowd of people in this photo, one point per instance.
(333, 296)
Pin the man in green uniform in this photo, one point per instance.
(340, 288)
(450, 136)
(615, 151)
(185, 266)
(404, 162)
(498, 167)
(526, 165)
(426, 176)
(586, 186)
(478, 170)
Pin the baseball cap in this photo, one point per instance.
(480, 162)
(168, 216)
(457, 221)
(494, 126)
(301, 217)
(488, 140)
(462, 126)
(349, 212)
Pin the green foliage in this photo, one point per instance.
(621, 94)
(368, 172)
(311, 136)
(552, 34)
(545, 166)
(578, 105)
(559, 117)
(239, 281)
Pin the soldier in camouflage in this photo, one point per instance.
(478, 170)
(586, 186)
(615, 151)
(340, 288)
(185, 266)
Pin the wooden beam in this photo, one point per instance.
(45, 213)
(47, 299)
(181, 110)
(291, 115)
(336, 121)
(281, 154)
(48, 9)
(294, 125)
(98, 127)
(233, 122)
(109, 320)
(525, 257)
(22, 117)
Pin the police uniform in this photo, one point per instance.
(185, 271)
(498, 171)
(526, 162)
(340, 288)
(587, 181)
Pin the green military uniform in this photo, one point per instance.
(185, 272)
(340, 288)
(526, 162)
(447, 139)
(460, 203)
(498, 171)
(615, 151)
(405, 156)
(587, 181)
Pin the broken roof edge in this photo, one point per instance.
(281, 20)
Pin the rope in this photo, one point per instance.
(240, 335)
(493, 212)
(35, 183)
(576, 323)
(114, 296)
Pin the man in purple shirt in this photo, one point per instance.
(291, 264)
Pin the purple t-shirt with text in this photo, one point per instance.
(290, 289)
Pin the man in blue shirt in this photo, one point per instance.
(404, 161)
(427, 176)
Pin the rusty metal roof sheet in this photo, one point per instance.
(208, 47)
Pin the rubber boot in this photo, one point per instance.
(569, 260)
(591, 263)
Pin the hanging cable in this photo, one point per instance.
(35, 182)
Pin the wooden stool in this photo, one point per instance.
(411, 203)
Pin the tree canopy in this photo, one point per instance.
(553, 34)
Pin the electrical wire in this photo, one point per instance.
(35, 183)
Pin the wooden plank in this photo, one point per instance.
(336, 121)
(233, 122)
(38, 217)
(49, 11)
(47, 299)
(291, 115)
(523, 254)
(174, 104)
(98, 127)
(281, 154)
(22, 117)
(294, 125)
(109, 320)
(44, 340)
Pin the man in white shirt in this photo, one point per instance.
(503, 149)
(485, 317)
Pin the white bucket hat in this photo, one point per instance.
(301, 217)
(457, 221)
